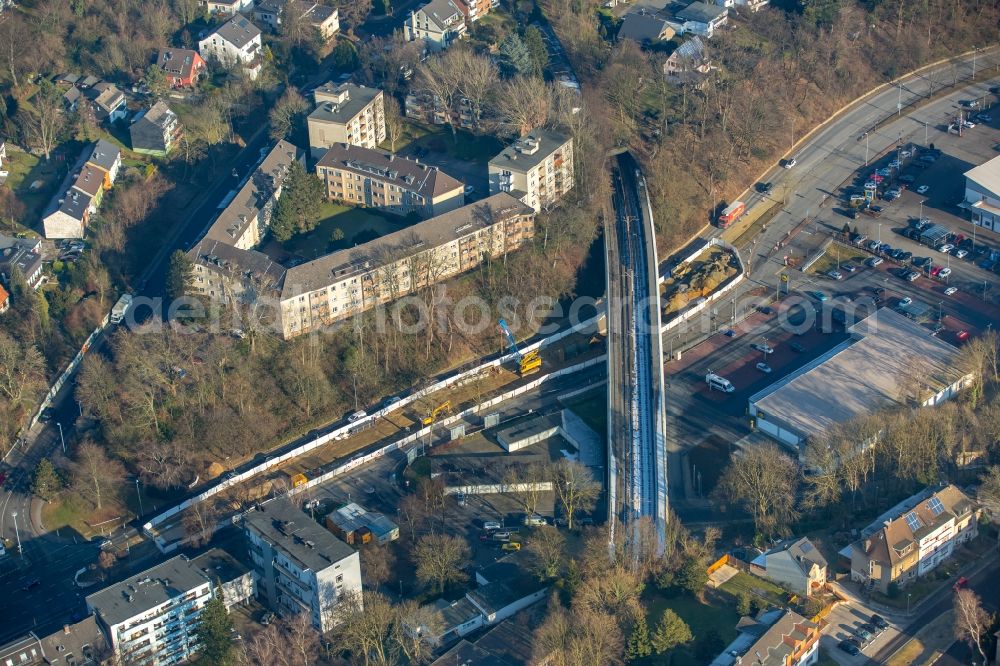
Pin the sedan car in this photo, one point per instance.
(968, 124)
(848, 647)
(836, 275)
(765, 188)
(819, 296)
(923, 189)
(947, 247)
(863, 634)
(874, 261)
(950, 290)
(850, 268)
(879, 622)
(767, 349)
(944, 272)
(961, 254)
(870, 628)
(906, 300)
(789, 163)
(912, 276)
(764, 367)
(873, 245)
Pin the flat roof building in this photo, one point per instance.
(355, 525)
(300, 566)
(152, 616)
(536, 169)
(347, 113)
(889, 360)
(982, 194)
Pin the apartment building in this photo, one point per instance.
(438, 24)
(236, 43)
(426, 107)
(77, 644)
(537, 169)
(347, 113)
(300, 566)
(325, 19)
(913, 538)
(155, 130)
(376, 179)
(319, 292)
(246, 219)
(776, 637)
(151, 618)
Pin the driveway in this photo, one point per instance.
(842, 623)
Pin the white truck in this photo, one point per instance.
(121, 308)
(717, 383)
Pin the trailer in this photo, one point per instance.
(121, 308)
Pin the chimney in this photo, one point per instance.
(66, 630)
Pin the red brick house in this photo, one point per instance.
(183, 67)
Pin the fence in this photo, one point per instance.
(716, 295)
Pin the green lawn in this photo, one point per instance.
(26, 169)
(358, 225)
(438, 139)
(700, 617)
(743, 582)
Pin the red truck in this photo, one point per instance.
(731, 213)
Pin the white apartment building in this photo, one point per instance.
(300, 566)
(347, 113)
(438, 23)
(982, 195)
(537, 169)
(151, 618)
(244, 222)
(235, 43)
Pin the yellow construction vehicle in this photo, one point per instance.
(530, 362)
(443, 407)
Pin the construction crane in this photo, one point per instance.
(443, 407)
(527, 363)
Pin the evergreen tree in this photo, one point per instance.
(639, 645)
(692, 575)
(671, 632)
(178, 274)
(45, 481)
(536, 47)
(743, 603)
(215, 632)
(300, 203)
(515, 58)
(345, 56)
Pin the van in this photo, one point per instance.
(717, 383)
(491, 525)
(534, 520)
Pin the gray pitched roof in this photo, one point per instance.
(441, 11)
(701, 12)
(226, 258)
(296, 535)
(159, 114)
(83, 640)
(802, 551)
(178, 62)
(427, 181)
(238, 31)
(104, 155)
(642, 26)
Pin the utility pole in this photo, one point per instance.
(17, 534)
(925, 135)
(899, 100)
(866, 148)
(975, 52)
(61, 438)
(139, 496)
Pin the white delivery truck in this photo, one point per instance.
(717, 383)
(121, 308)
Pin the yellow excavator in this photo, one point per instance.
(444, 407)
(530, 362)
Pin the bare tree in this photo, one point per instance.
(522, 104)
(95, 475)
(200, 521)
(377, 565)
(523, 482)
(546, 549)
(763, 480)
(575, 487)
(21, 370)
(972, 622)
(43, 119)
(583, 638)
(439, 77)
(393, 123)
(440, 559)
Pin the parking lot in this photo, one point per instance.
(843, 623)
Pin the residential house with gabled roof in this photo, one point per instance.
(645, 27)
(795, 564)
(377, 179)
(438, 24)
(236, 43)
(183, 67)
(688, 64)
(155, 131)
(107, 101)
(4, 300)
(226, 7)
(699, 18)
(913, 538)
(776, 637)
(81, 191)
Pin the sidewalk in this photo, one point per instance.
(901, 616)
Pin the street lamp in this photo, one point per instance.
(17, 534)
(61, 438)
(908, 602)
(975, 52)
(139, 496)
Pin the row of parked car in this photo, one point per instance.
(864, 634)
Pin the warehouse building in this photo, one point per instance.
(982, 195)
(889, 360)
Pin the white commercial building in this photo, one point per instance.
(301, 567)
(152, 618)
(982, 195)
(888, 360)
